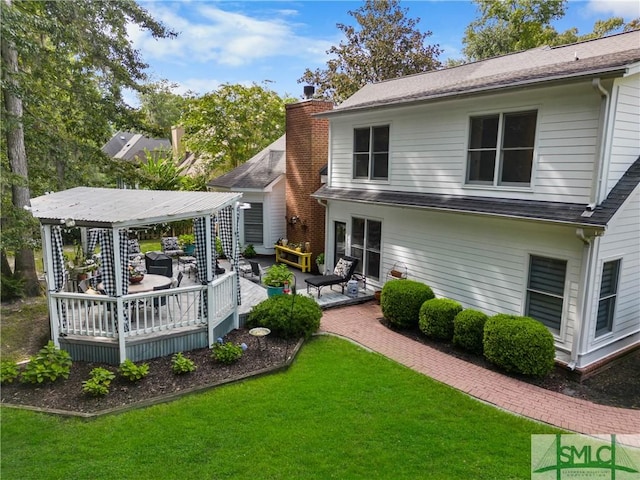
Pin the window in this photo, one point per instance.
(339, 241)
(365, 246)
(545, 293)
(253, 224)
(501, 149)
(371, 153)
(608, 294)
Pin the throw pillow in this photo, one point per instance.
(342, 268)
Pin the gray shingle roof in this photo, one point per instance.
(258, 172)
(553, 212)
(127, 146)
(602, 56)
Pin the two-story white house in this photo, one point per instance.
(510, 185)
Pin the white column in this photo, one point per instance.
(47, 256)
(122, 340)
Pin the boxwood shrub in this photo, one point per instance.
(519, 344)
(401, 300)
(468, 330)
(436, 317)
(287, 316)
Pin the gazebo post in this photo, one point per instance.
(117, 267)
(209, 273)
(47, 245)
(235, 240)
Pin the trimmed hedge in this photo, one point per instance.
(436, 317)
(287, 316)
(401, 300)
(468, 330)
(519, 344)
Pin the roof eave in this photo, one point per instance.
(608, 72)
(596, 227)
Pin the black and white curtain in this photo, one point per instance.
(108, 265)
(227, 234)
(59, 272)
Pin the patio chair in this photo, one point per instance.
(134, 249)
(341, 275)
(256, 270)
(170, 246)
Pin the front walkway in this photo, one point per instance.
(361, 324)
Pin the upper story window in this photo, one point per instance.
(608, 294)
(371, 153)
(501, 149)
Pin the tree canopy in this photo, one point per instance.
(64, 65)
(161, 108)
(230, 125)
(386, 44)
(514, 25)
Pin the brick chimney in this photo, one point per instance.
(307, 153)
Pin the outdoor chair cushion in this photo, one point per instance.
(170, 246)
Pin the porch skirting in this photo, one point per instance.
(143, 347)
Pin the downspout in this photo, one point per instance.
(588, 251)
(596, 187)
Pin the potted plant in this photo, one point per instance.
(188, 243)
(275, 278)
(320, 263)
(249, 251)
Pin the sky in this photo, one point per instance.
(272, 43)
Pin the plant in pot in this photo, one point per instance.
(187, 242)
(275, 278)
(320, 263)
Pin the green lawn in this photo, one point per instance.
(338, 412)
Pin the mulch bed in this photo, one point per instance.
(160, 384)
(617, 386)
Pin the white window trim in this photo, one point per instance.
(561, 335)
(369, 180)
(497, 168)
(596, 302)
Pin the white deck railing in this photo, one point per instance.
(90, 315)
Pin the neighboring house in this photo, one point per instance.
(133, 146)
(278, 183)
(261, 180)
(510, 185)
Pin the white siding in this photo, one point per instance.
(428, 144)
(621, 241)
(276, 215)
(625, 138)
(481, 262)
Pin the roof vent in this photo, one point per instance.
(309, 90)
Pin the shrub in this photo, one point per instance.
(181, 364)
(468, 330)
(287, 316)
(11, 287)
(133, 372)
(401, 300)
(249, 251)
(49, 363)
(519, 344)
(226, 353)
(98, 383)
(8, 371)
(436, 317)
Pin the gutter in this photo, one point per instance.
(452, 94)
(589, 226)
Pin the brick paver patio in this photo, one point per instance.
(361, 324)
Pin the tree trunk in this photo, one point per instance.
(25, 266)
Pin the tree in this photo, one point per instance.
(514, 25)
(387, 44)
(230, 125)
(161, 108)
(64, 65)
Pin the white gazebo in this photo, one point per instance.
(116, 325)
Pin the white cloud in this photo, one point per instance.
(628, 9)
(212, 35)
